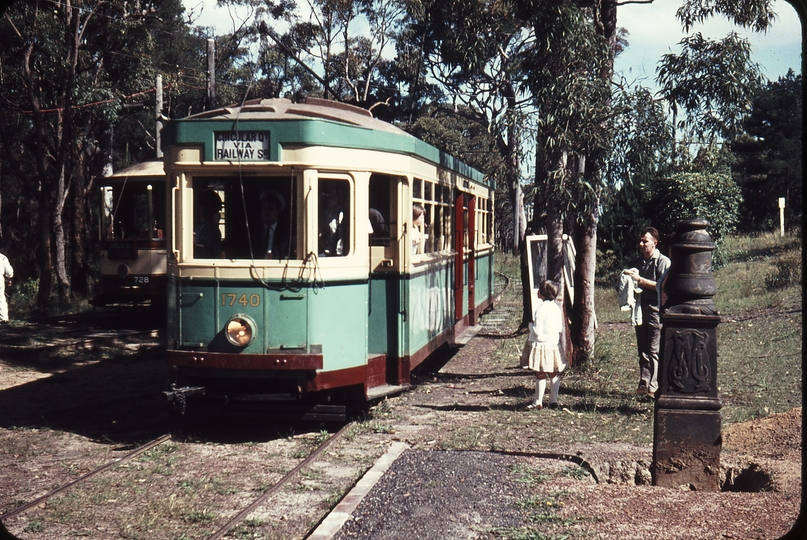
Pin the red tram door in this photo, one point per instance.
(464, 238)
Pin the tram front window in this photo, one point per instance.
(256, 218)
(134, 211)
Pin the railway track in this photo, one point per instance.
(271, 495)
(47, 496)
(291, 475)
(507, 308)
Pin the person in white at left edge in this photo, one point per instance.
(8, 273)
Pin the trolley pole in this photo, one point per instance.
(158, 113)
(211, 74)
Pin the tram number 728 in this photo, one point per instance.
(230, 299)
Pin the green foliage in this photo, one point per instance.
(696, 82)
(755, 14)
(769, 156)
(567, 75)
(642, 149)
(711, 195)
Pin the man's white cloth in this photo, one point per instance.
(627, 291)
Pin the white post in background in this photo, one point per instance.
(782, 216)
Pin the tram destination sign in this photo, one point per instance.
(242, 146)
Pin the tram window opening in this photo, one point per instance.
(435, 231)
(132, 211)
(381, 217)
(257, 219)
(334, 218)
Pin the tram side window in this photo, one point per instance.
(380, 214)
(255, 218)
(334, 218)
(483, 221)
(432, 232)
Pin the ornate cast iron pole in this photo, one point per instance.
(687, 437)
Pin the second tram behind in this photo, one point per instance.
(133, 252)
(317, 255)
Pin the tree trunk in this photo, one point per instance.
(554, 218)
(58, 232)
(44, 256)
(79, 267)
(584, 317)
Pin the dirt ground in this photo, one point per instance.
(60, 416)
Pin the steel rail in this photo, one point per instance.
(45, 497)
(271, 491)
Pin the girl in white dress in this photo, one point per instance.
(542, 352)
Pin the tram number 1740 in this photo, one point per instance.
(230, 299)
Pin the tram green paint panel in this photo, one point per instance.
(312, 132)
(205, 307)
(196, 323)
(484, 277)
(430, 306)
(383, 293)
(338, 321)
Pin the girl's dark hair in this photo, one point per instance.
(549, 289)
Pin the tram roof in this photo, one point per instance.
(141, 170)
(331, 117)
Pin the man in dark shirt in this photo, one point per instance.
(647, 272)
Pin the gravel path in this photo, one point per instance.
(457, 495)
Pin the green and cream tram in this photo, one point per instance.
(316, 255)
(132, 223)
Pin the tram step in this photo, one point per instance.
(385, 390)
(467, 334)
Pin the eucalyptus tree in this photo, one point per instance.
(569, 78)
(330, 48)
(473, 52)
(695, 81)
(67, 68)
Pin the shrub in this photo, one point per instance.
(711, 195)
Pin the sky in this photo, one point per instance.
(653, 31)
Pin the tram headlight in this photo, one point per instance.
(240, 331)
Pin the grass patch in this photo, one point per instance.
(576, 472)
(527, 475)
(370, 426)
(545, 523)
(203, 517)
(247, 529)
(759, 347)
(463, 438)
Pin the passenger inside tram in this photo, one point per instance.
(333, 218)
(253, 210)
(274, 232)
